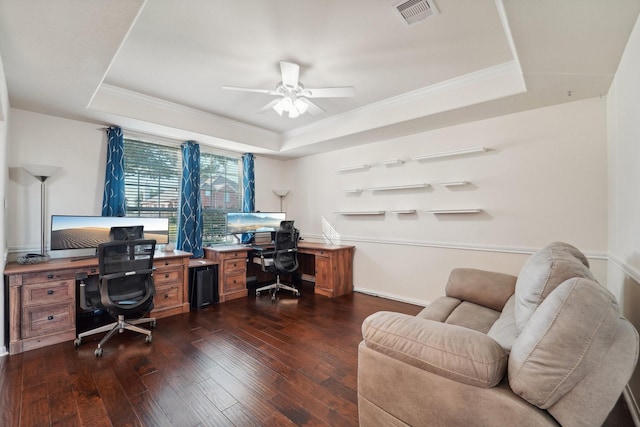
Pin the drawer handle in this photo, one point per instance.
(49, 276)
(166, 296)
(166, 263)
(50, 318)
(166, 275)
(50, 292)
(93, 270)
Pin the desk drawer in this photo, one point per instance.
(167, 296)
(48, 293)
(163, 276)
(48, 276)
(235, 265)
(235, 282)
(47, 319)
(160, 263)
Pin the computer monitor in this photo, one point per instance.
(253, 222)
(87, 232)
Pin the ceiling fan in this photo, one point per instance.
(293, 97)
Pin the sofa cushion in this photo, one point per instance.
(461, 313)
(542, 273)
(487, 288)
(439, 309)
(566, 337)
(451, 351)
(504, 330)
(473, 316)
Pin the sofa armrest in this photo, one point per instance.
(451, 351)
(486, 288)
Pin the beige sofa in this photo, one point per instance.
(548, 347)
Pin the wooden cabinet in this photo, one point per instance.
(232, 273)
(42, 297)
(333, 267)
(170, 280)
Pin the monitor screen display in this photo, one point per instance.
(86, 232)
(253, 222)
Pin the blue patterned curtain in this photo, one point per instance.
(190, 224)
(248, 189)
(113, 199)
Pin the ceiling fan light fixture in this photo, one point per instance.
(293, 113)
(301, 105)
(286, 103)
(278, 108)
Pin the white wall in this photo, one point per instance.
(78, 147)
(624, 185)
(543, 179)
(4, 174)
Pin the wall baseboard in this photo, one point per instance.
(394, 297)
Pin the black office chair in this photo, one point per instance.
(125, 289)
(282, 259)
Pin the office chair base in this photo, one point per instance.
(118, 326)
(276, 287)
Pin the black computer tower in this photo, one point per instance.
(203, 286)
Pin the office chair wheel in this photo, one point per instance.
(152, 325)
(77, 342)
(148, 339)
(98, 352)
(257, 293)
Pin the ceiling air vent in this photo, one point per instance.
(413, 11)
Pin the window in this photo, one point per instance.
(153, 174)
(221, 192)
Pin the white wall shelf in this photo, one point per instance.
(404, 211)
(449, 154)
(454, 183)
(391, 162)
(400, 187)
(353, 190)
(454, 211)
(360, 212)
(354, 168)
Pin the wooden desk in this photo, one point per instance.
(42, 297)
(329, 266)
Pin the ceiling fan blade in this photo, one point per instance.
(246, 89)
(330, 92)
(268, 107)
(290, 73)
(313, 109)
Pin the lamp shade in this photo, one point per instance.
(42, 172)
(280, 192)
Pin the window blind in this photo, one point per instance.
(153, 174)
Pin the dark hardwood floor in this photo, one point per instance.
(246, 362)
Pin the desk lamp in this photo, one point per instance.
(42, 173)
(281, 193)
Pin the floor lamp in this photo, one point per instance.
(42, 173)
(281, 193)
